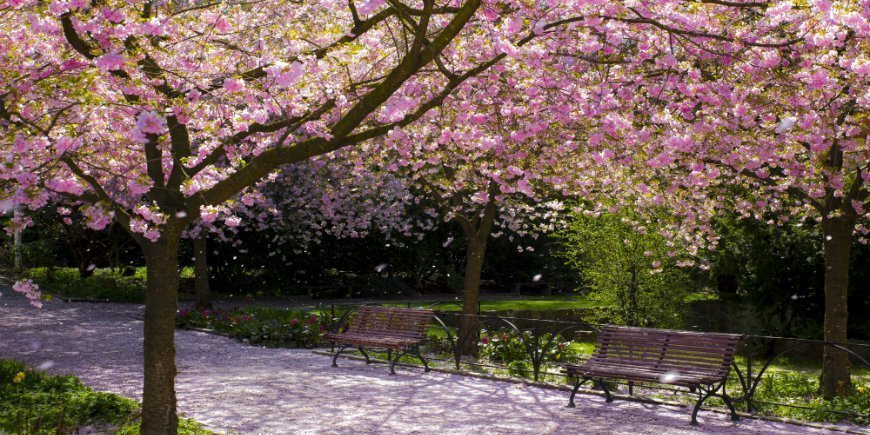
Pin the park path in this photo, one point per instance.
(231, 386)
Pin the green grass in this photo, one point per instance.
(36, 403)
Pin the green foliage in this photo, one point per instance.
(36, 403)
(780, 271)
(509, 348)
(630, 268)
(186, 426)
(801, 389)
(378, 287)
(102, 284)
(126, 285)
(260, 325)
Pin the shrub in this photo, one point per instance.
(506, 347)
(631, 267)
(291, 328)
(102, 284)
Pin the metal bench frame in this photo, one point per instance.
(699, 361)
(399, 330)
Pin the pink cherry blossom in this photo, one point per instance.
(29, 289)
(149, 122)
(111, 61)
(234, 85)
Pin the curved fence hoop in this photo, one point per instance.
(534, 349)
(454, 343)
(435, 304)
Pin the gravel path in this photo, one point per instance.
(231, 386)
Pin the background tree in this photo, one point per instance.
(628, 265)
(710, 117)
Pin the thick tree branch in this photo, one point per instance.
(271, 159)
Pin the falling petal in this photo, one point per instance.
(785, 125)
(669, 377)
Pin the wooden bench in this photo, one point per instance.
(699, 361)
(398, 330)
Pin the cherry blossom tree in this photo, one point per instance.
(150, 112)
(154, 114)
(789, 125)
(766, 114)
(483, 161)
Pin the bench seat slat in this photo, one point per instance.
(676, 344)
(391, 328)
(693, 360)
(619, 360)
(688, 380)
(654, 354)
(652, 371)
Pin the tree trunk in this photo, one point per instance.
(477, 232)
(17, 264)
(161, 305)
(200, 273)
(17, 246)
(835, 379)
(632, 299)
(468, 325)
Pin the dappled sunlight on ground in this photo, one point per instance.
(226, 384)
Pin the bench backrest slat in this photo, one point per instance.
(705, 354)
(409, 323)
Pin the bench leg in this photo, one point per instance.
(706, 393)
(335, 358)
(730, 404)
(701, 398)
(393, 361)
(603, 386)
(362, 351)
(577, 385)
(423, 360)
(703, 395)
